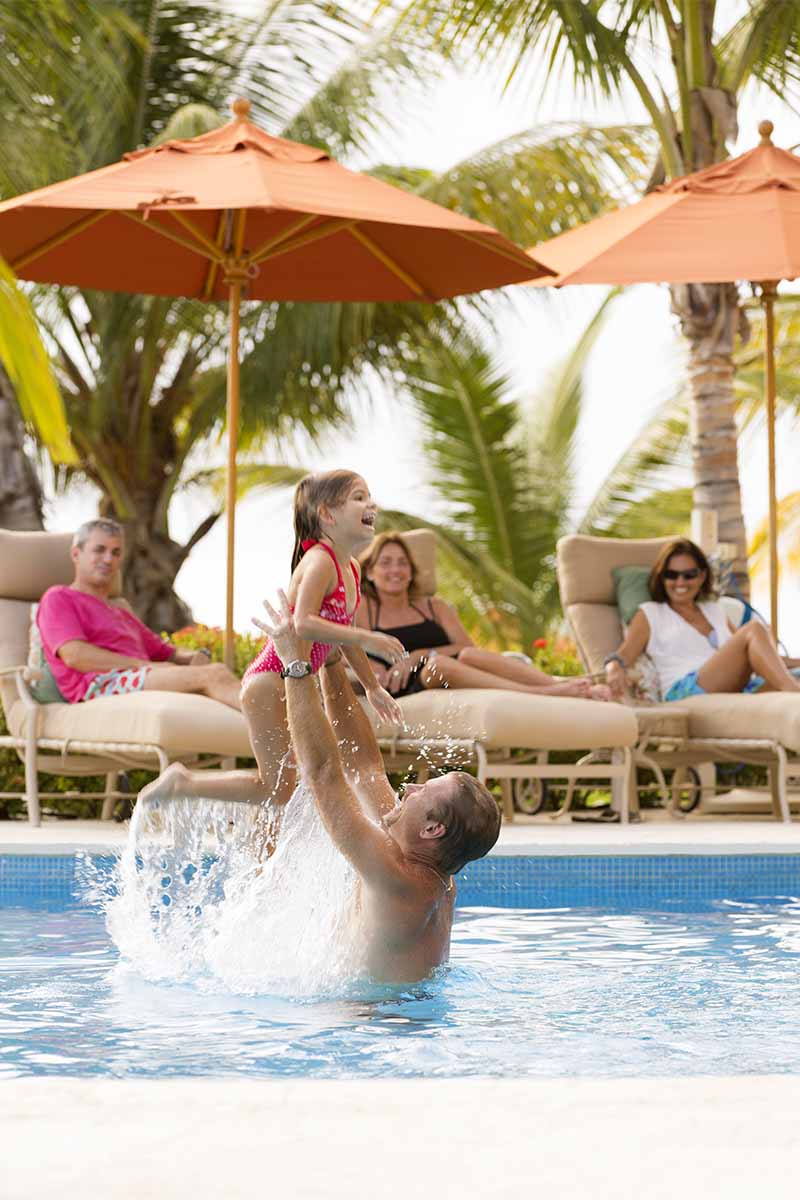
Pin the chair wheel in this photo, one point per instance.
(529, 795)
(687, 791)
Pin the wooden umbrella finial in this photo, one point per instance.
(765, 129)
(241, 109)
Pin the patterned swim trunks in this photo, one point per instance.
(688, 686)
(117, 682)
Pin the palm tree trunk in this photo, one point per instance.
(20, 491)
(710, 318)
(152, 562)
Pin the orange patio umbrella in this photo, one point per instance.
(236, 213)
(736, 220)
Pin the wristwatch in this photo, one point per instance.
(296, 670)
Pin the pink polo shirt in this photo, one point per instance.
(66, 615)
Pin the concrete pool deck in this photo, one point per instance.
(565, 1139)
(658, 834)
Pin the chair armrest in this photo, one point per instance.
(23, 674)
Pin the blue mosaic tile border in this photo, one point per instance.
(553, 881)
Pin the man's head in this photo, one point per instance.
(451, 820)
(97, 550)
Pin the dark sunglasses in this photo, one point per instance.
(673, 575)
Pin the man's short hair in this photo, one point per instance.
(471, 817)
(104, 524)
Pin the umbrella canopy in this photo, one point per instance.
(235, 214)
(736, 220)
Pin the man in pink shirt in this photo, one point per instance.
(96, 648)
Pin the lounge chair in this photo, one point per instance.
(760, 729)
(104, 736)
(508, 735)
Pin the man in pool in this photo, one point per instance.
(404, 851)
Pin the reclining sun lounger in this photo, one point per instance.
(508, 735)
(103, 736)
(760, 729)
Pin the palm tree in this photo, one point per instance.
(688, 71)
(504, 470)
(142, 377)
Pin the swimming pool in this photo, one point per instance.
(561, 966)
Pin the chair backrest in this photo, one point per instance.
(584, 565)
(30, 563)
(422, 544)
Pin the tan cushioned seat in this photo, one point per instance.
(180, 724)
(501, 719)
(774, 716)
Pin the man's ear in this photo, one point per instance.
(74, 551)
(432, 830)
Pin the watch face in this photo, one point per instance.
(298, 670)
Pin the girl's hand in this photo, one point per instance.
(381, 674)
(399, 675)
(385, 705)
(382, 645)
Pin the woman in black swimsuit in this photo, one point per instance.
(441, 652)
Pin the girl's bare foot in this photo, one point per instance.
(176, 781)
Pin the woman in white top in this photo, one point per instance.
(687, 635)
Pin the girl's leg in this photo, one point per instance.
(264, 709)
(750, 650)
(441, 671)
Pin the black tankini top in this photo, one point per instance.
(426, 634)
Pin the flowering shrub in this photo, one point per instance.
(210, 637)
(556, 656)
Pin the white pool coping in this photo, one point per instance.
(466, 1139)
(711, 835)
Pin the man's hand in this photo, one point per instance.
(200, 658)
(385, 705)
(282, 630)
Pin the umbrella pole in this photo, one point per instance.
(232, 420)
(768, 300)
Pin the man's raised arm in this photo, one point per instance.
(358, 745)
(369, 847)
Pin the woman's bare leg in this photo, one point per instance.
(442, 671)
(506, 667)
(750, 650)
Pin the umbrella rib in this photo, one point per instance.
(205, 242)
(389, 262)
(516, 256)
(52, 242)
(257, 256)
(284, 243)
(213, 266)
(161, 231)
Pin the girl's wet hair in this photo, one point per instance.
(329, 488)
(369, 557)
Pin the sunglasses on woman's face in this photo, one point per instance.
(673, 575)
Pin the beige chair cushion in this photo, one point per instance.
(585, 564)
(181, 724)
(512, 719)
(773, 716)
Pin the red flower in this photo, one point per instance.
(540, 644)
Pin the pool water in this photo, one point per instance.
(529, 992)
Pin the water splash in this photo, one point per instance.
(192, 903)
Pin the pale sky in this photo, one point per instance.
(636, 361)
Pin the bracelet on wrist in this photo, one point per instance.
(614, 658)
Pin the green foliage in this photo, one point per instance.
(210, 637)
(556, 656)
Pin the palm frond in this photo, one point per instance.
(27, 366)
(542, 181)
(250, 477)
(763, 44)
(788, 538)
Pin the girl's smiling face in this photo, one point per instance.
(353, 520)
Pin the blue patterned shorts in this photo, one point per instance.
(688, 686)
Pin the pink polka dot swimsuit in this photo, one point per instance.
(333, 608)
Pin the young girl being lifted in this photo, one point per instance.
(334, 518)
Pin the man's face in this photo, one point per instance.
(410, 813)
(97, 559)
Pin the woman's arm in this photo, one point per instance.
(633, 645)
(448, 618)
